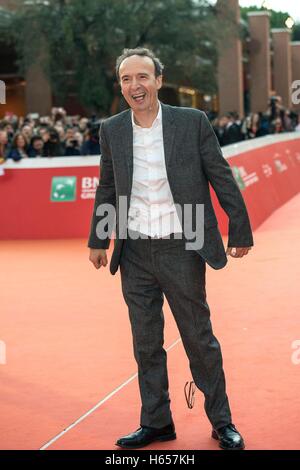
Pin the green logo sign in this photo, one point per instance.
(238, 177)
(63, 188)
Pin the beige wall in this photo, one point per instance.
(260, 61)
(230, 72)
(282, 64)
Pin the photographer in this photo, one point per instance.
(91, 145)
(36, 148)
(52, 145)
(72, 143)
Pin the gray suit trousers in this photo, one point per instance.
(150, 268)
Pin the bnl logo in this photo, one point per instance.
(63, 188)
(2, 92)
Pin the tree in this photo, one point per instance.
(277, 19)
(80, 39)
(296, 32)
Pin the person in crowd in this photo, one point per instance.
(255, 125)
(27, 132)
(297, 128)
(83, 122)
(69, 134)
(52, 146)
(264, 125)
(72, 143)
(61, 132)
(276, 126)
(91, 145)
(287, 121)
(19, 148)
(229, 129)
(232, 133)
(58, 115)
(10, 132)
(4, 147)
(218, 125)
(36, 148)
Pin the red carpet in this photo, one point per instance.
(68, 346)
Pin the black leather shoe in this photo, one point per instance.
(229, 438)
(145, 436)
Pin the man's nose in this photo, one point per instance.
(135, 83)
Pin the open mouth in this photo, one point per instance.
(139, 98)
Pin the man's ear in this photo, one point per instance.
(159, 81)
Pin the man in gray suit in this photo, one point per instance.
(160, 158)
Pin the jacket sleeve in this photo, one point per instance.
(219, 174)
(105, 194)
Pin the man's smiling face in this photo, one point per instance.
(138, 82)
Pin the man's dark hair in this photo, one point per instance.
(35, 138)
(143, 52)
(53, 134)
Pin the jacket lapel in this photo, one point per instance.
(127, 144)
(169, 132)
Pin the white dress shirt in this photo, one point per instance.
(152, 210)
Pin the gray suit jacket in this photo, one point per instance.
(193, 160)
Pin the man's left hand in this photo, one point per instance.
(238, 252)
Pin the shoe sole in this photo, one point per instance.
(167, 437)
(214, 435)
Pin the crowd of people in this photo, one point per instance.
(230, 129)
(50, 136)
(62, 135)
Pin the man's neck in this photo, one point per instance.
(147, 117)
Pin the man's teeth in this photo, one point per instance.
(138, 97)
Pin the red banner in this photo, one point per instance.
(53, 198)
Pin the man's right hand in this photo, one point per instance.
(98, 257)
